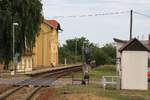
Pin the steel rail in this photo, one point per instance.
(9, 92)
(62, 73)
(55, 74)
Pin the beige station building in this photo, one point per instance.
(45, 52)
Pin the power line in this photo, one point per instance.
(99, 14)
(141, 14)
(92, 15)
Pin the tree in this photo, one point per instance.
(99, 56)
(68, 49)
(110, 50)
(28, 14)
(103, 55)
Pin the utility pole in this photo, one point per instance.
(131, 23)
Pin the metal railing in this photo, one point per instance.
(109, 80)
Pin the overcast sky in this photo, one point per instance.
(98, 29)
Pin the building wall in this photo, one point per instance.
(54, 47)
(45, 52)
(119, 45)
(46, 47)
(134, 70)
(118, 56)
(25, 64)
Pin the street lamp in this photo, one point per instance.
(14, 24)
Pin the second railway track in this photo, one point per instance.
(26, 89)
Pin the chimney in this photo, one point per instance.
(149, 40)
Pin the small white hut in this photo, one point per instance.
(133, 65)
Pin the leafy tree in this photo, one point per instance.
(28, 14)
(99, 56)
(72, 43)
(103, 55)
(110, 50)
(68, 50)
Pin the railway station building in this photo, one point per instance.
(45, 52)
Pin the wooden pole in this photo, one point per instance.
(131, 23)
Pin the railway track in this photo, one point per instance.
(26, 89)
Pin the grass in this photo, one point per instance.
(100, 71)
(110, 93)
(97, 73)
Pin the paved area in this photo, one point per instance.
(9, 81)
(33, 82)
(36, 82)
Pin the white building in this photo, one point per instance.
(132, 64)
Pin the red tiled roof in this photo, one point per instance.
(53, 23)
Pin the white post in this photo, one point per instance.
(13, 46)
(14, 24)
(104, 82)
(65, 61)
(112, 81)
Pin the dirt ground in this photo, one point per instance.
(46, 94)
(4, 88)
(62, 90)
(82, 97)
(50, 94)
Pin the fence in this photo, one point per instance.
(110, 80)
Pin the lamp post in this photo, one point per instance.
(14, 24)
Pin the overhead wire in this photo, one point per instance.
(141, 14)
(91, 15)
(100, 14)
